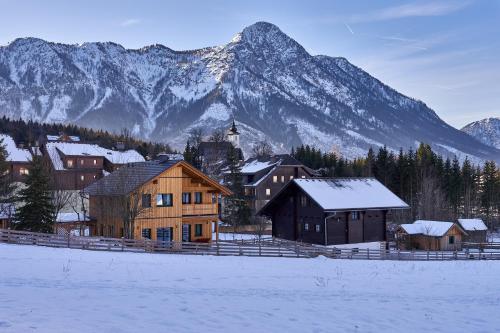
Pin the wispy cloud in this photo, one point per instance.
(349, 28)
(410, 10)
(130, 22)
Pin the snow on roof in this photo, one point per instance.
(84, 149)
(472, 224)
(350, 193)
(256, 166)
(71, 217)
(59, 137)
(427, 228)
(15, 154)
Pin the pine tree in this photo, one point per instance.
(490, 190)
(6, 185)
(236, 210)
(36, 212)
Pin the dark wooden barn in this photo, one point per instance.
(332, 211)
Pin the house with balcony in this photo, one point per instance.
(167, 200)
(263, 177)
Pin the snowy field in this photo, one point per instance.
(64, 290)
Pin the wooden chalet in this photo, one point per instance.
(77, 165)
(18, 158)
(430, 236)
(265, 176)
(476, 230)
(174, 201)
(332, 211)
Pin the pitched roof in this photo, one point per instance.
(85, 149)
(130, 176)
(257, 164)
(349, 193)
(472, 224)
(428, 228)
(14, 154)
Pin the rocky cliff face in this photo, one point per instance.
(264, 79)
(487, 131)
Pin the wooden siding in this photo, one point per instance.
(289, 217)
(422, 242)
(175, 181)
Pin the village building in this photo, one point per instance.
(75, 223)
(430, 236)
(169, 201)
(476, 230)
(18, 159)
(214, 154)
(263, 177)
(332, 211)
(76, 165)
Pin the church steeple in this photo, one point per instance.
(233, 135)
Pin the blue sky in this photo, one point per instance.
(446, 53)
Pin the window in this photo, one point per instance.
(303, 201)
(306, 226)
(197, 198)
(146, 233)
(198, 230)
(354, 216)
(318, 228)
(268, 192)
(95, 162)
(214, 198)
(24, 171)
(164, 200)
(282, 179)
(186, 198)
(82, 162)
(291, 177)
(82, 178)
(302, 176)
(146, 200)
(275, 179)
(451, 239)
(69, 163)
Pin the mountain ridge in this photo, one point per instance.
(485, 130)
(264, 79)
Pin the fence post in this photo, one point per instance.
(123, 243)
(427, 255)
(8, 236)
(368, 253)
(217, 248)
(69, 234)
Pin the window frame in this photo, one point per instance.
(198, 230)
(306, 226)
(188, 196)
(163, 200)
(268, 192)
(146, 233)
(146, 195)
(198, 198)
(275, 179)
(451, 239)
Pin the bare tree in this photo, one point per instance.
(217, 136)
(195, 137)
(262, 149)
(432, 200)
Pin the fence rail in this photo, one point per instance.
(264, 248)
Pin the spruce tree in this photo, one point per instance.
(36, 210)
(236, 211)
(6, 184)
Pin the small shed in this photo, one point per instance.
(76, 224)
(475, 228)
(430, 235)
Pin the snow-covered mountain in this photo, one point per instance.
(487, 131)
(264, 79)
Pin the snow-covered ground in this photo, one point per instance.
(231, 236)
(64, 290)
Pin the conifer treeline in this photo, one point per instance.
(29, 133)
(434, 187)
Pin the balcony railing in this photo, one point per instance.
(199, 209)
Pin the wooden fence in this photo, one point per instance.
(265, 248)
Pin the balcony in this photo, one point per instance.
(199, 209)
